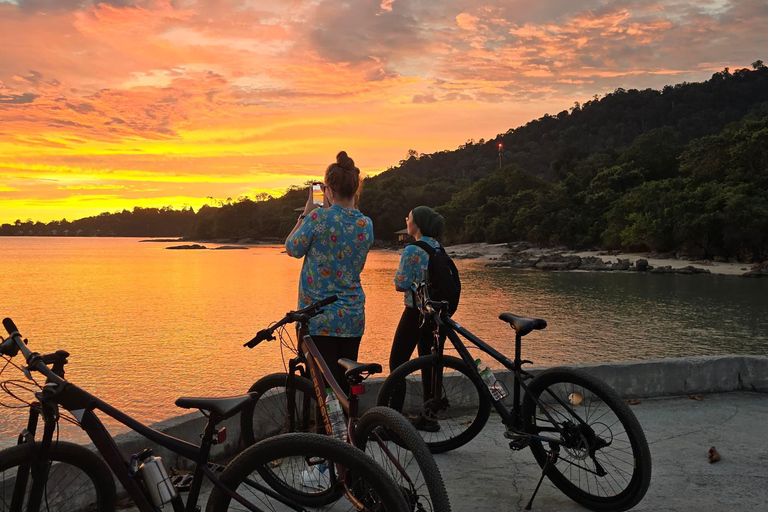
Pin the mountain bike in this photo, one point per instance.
(53, 475)
(288, 402)
(585, 438)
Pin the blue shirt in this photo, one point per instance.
(413, 264)
(334, 243)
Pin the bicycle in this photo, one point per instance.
(291, 401)
(55, 475)
(584, 437)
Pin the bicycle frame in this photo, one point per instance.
(82, 405)
(511, 418)
(320, 373)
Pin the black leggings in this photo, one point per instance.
(409, 335)
(333, 348)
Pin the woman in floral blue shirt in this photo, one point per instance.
(334, 242)
(424, 224)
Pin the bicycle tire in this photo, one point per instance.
(626, 457)
(369, 481)
(463, 397)
(269, 412)
(271, 405)
(77, 481)
(382, 427)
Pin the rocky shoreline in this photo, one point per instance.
(524, 255)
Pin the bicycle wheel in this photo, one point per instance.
(266, 417)
(393, 442)
(460, 413)
(363, 484)
(603, 463)
(77, 480)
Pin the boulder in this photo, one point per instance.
(621, 264)
(666, 269)
(593, 263)
(468, 256)
(518, 260)
(641, 265)
(519, 246)
(558, 262)
(192, 246)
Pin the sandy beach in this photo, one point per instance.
(494, 252)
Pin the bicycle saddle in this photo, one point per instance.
(355, 368)
(522, 324)
(224, 407)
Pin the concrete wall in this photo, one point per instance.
(652, 378)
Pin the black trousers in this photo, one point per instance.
(333, 348)
(409, 335)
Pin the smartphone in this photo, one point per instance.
(318, 196)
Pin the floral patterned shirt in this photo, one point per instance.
(413, 263)
(334, 243)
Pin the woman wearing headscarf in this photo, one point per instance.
(426, 225)
(334, 243)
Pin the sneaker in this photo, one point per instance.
(425, 424)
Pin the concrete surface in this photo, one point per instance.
(485, 476)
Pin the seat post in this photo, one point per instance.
(516, 383)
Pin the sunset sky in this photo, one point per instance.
(111, 104)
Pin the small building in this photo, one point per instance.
(403, 237)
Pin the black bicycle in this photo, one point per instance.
(288, 402)
(583, 435)
(52, 475)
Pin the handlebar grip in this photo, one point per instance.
(10, 326)
(262, 335)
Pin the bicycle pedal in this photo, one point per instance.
(518, 441)
(215, 467)
(182, 482)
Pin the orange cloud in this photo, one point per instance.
(150, 102)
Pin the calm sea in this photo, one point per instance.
(145, 325)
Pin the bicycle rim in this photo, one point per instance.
(603, 462)
(461, 412)
(359, 484)
(76, 480)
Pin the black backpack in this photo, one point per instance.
(443, 281)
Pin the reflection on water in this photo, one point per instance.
(146, 325)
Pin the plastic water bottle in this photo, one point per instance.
(336, 416)
(497, 390)
(317, 477)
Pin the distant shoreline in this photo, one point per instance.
(509, 255)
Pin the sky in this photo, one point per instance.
(106, 105)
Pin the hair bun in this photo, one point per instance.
(346, 163)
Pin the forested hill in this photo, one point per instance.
(681, 168)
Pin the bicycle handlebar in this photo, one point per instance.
(39, 363)
(300, 315)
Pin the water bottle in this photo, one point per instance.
(155, 477)
(497, 390)
(336, 416)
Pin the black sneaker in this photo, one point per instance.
(425, 424)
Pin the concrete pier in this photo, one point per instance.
(486, 476)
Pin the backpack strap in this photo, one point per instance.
(430, 251)
(424, 245)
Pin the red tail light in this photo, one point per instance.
(358, 389)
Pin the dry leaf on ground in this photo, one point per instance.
(696, 397)
(714, 456)
(633, 401)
